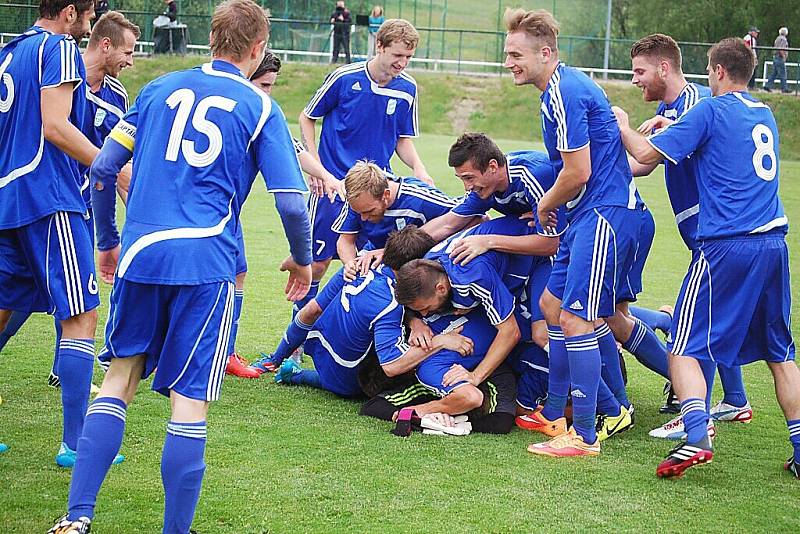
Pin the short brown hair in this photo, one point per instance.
(417, 279)
(112, 25)
(363, 177)
(733, 54)
(477, 148)
(539, 24)
(397, 30)
(49, 9)
(270, 63)
(405, 245)
(235, 26)
(659, 46)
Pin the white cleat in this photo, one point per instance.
(729, 413)
(674, 430)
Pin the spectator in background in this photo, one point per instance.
(779, 61)
(100, 8)
(375, 20)
(171, 11)
(751, 40)
(341, 31)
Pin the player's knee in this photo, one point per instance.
(310, 312)
(550, 306)
(573, 325)
(122, 378)
(5, 315)
(240, 280)
(81, 326)
(318, 268)
(469, 396)
(187, 410)
(539, 333)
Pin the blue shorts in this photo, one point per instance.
(430, 373)
(241, 258)
(48, 266)
(182, 330)
(336, 378)
(632, 284)
(323, 213)
(593, 259)
(540, 274)
(531, 366)
(735, 302)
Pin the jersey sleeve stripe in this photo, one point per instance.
(327, 84)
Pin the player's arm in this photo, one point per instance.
(573, 176)
(473, 246)
(56, 106)
(308, 134)
(346, 247)
(448, 224)
(410, 358)
(297, 226)
(635, 143)
(507, 337)
(407, 153)
(330, 185)
(639, 169)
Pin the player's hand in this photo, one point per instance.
(421, 335)
(107, 263)
(457, 374)
(469, 248)
(621, 116)
(656, 123)
(423, 175)
(316, 185)
(124, 181)
(370, 260)
(455, 341)
(332, 187)
(547, 217)
(351, 269)
(443, 419)
(530, 217)
(299, 279)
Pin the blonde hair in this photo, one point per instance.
(235, 26)
(538, 24)
(377, 11)
(365, 177)
(394, 30)
(112, 25)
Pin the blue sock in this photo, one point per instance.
(647, 348)
(97, 448)
(709, 369)
(584, 371)
(612, 370)
(294, 336)
(558, 378)
(656, 320)
(54, 368)
(732, 385)
(794, 437)
(695, 419)
(182, 468)
(15, 322)
(75, 366)
(238, 298)
(312, 292)
(607, 402)
(306, 377)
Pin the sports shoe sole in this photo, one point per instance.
(677, 470)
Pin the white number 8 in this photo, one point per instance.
(184, 100)
(765, 148)
(8, 81)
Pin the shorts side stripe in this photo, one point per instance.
(72, 254)
(688, 307)
(221, 353)
(66, 264)
(599, 258)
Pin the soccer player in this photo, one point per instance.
(733, 142)
(594, 182)
(320, 181)
(47, 259)
(370, 112)
(172, 302)
(656, 65)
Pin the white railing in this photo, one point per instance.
(767, 70)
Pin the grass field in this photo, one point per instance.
(289, 460)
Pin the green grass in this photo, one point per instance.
(289, 460)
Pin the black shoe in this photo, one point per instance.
(671, 404)
(792, 466)
(53, 381)
(767, 89)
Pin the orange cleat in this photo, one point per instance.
(237, 366)
(536, 422)
(569, 444)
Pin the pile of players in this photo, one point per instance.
(438, 311)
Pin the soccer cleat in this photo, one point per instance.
(671, 404)
(683, 457)
(66, 457)
(792, 466)
(237, 366)
(265, 364)
(3, 448)
(286, 370)
(64, 526)
(730, 413)
(673, 429)
(536, 422)
(53, 381)
(567, 444)
(608, 425)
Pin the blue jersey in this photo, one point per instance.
(416, 203)
(362, 120)
(104, 109)
(474, 325)
(576, 114)
(680, 179)
(363, 314)
(494, 279)
(733, 143)
(36, 178)
(198, 138)
(530, 176)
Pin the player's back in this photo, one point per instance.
(738, 168)
(193, 168)
(36, 178)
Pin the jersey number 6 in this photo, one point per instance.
(8, 81)
(184, 100)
